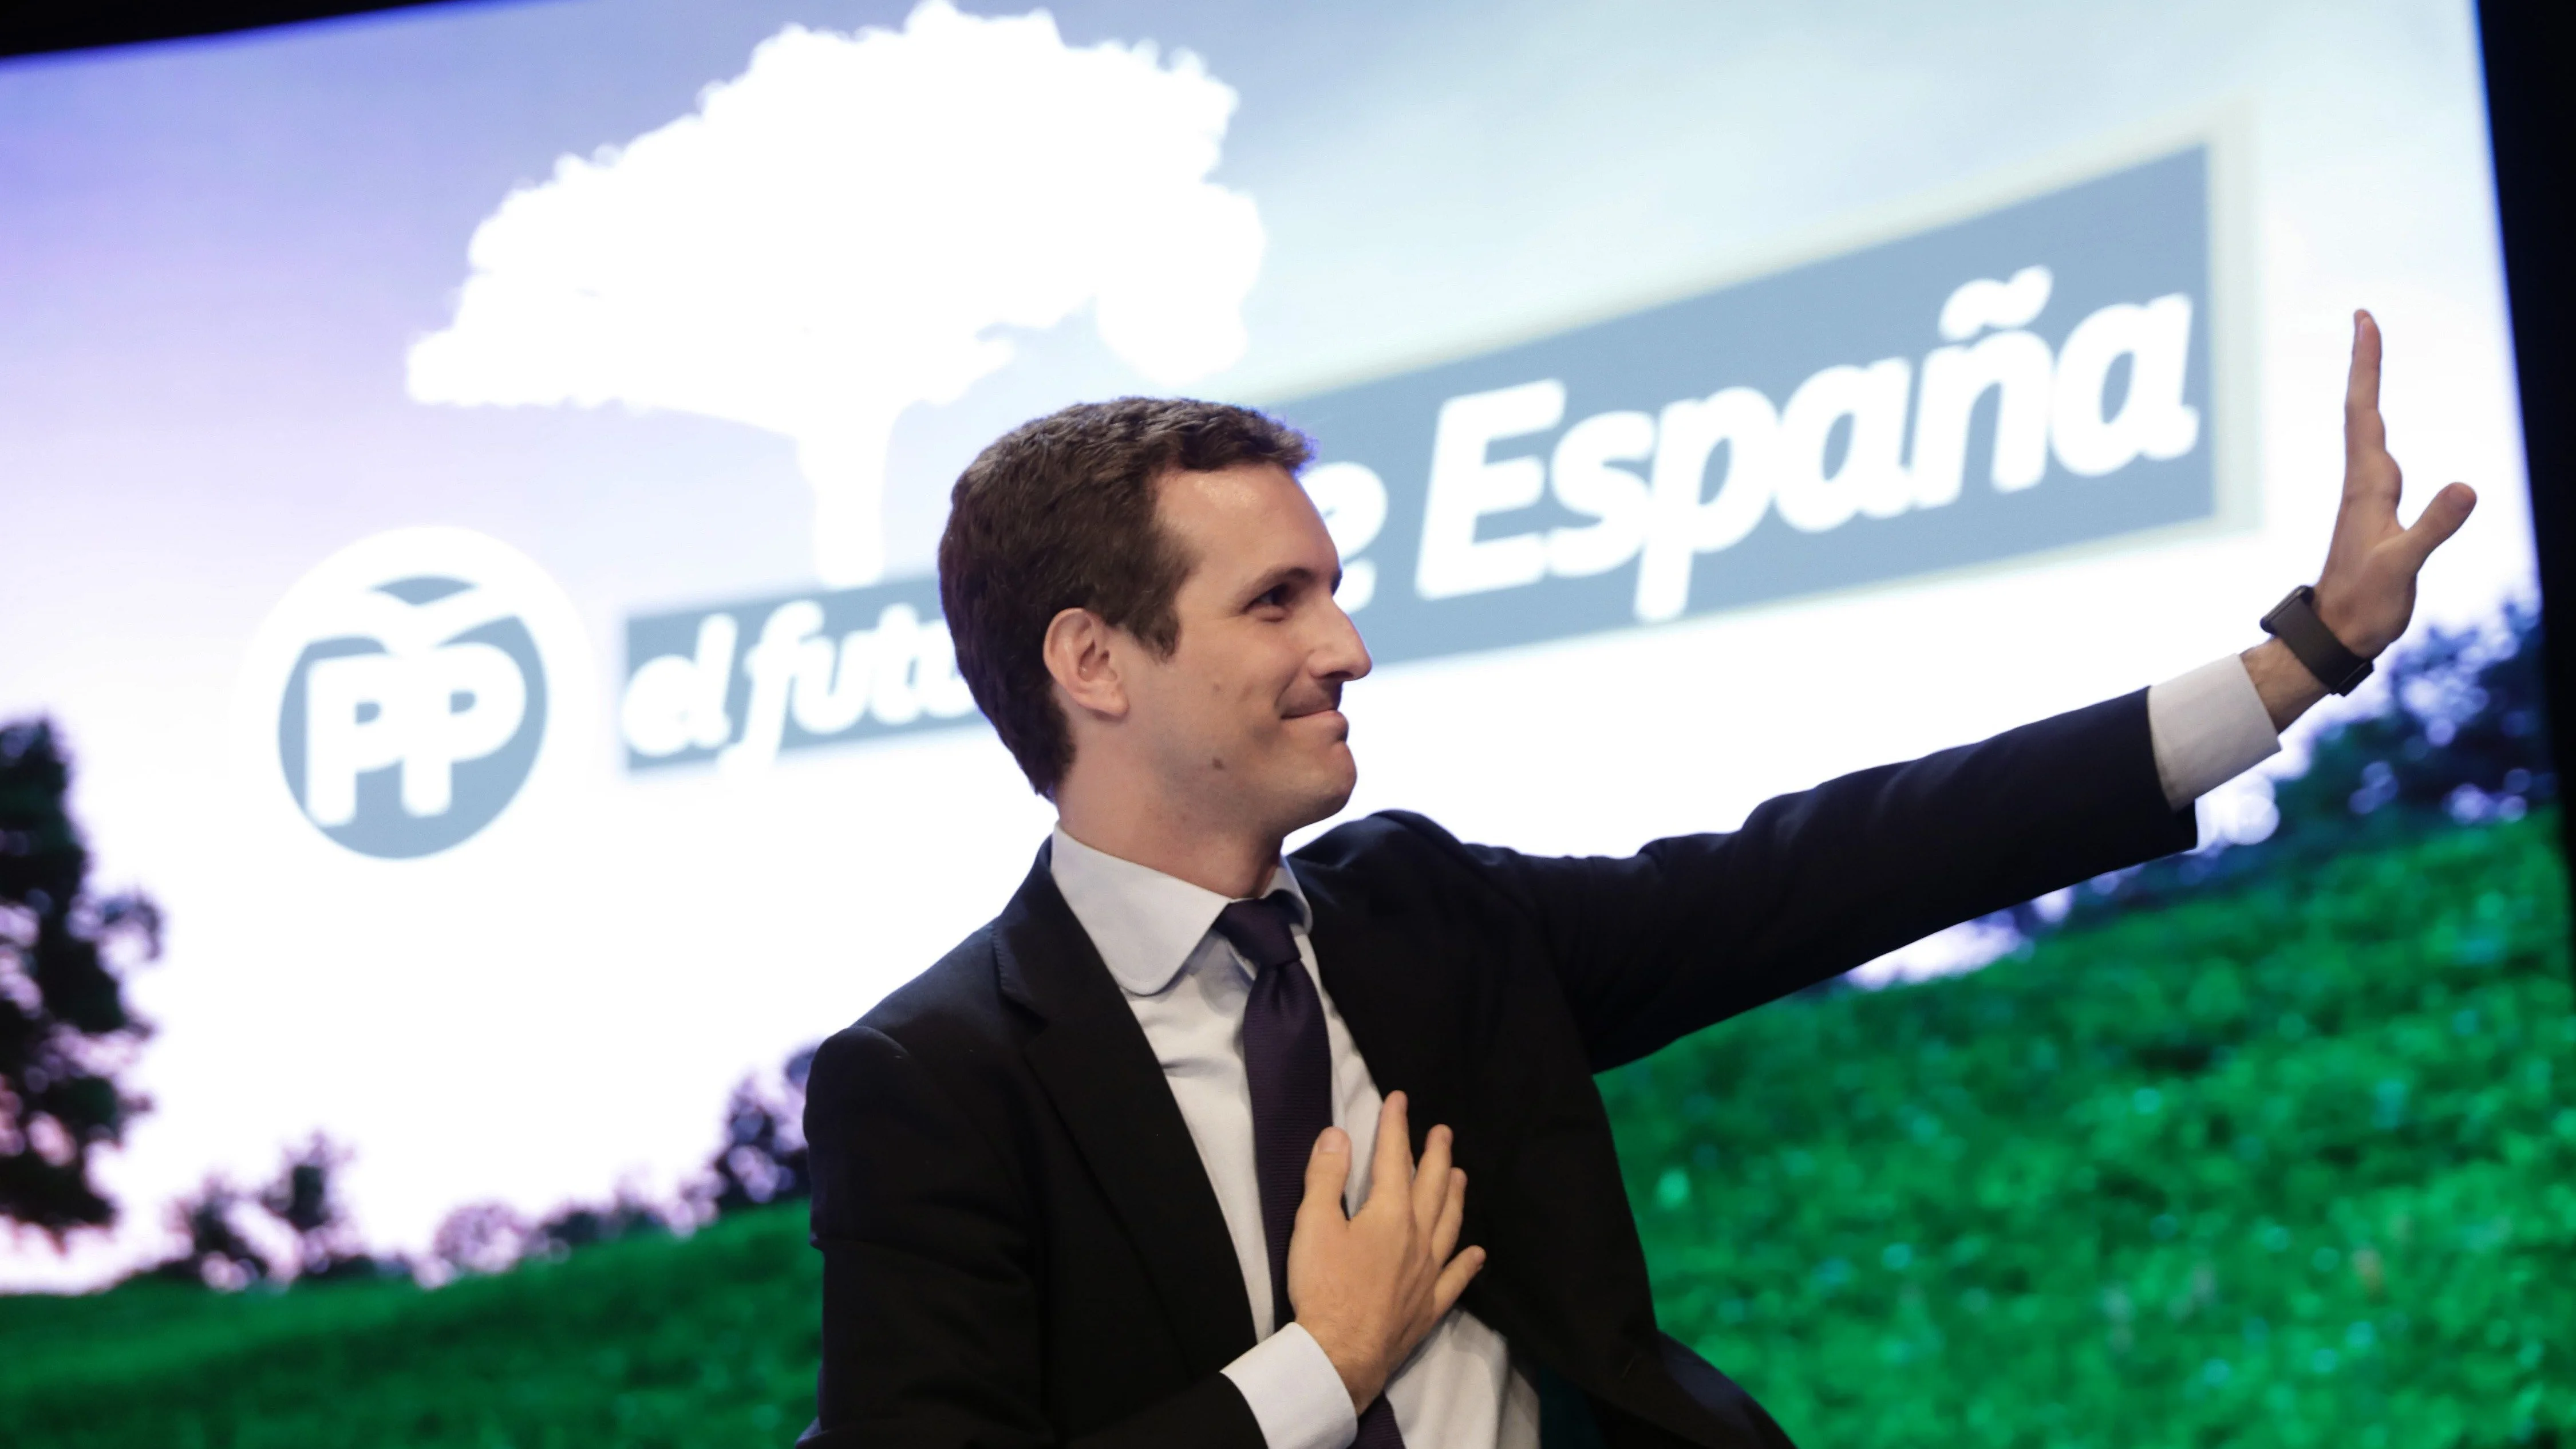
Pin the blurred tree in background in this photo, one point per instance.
(581, 1225)
(65, 1032)
(2461, 736)
(762, 1159)
(302, 1208)
(479, 1239)
(218, 1253)
(304, 1200)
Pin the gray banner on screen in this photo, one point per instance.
(2031, 377)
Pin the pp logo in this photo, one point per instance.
(412, 683)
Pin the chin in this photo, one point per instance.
(1332, 789)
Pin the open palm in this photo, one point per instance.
(2367, 591)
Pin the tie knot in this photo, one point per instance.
(1260, 929)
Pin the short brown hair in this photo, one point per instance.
(1058, 514)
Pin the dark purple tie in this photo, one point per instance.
(1289, 1061)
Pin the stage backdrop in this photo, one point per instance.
(469, 477)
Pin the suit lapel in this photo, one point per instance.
(1397, 1000)
(1095, 1063)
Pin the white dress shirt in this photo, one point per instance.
(1188, 985)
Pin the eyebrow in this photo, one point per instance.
(1291, 573)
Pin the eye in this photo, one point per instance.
(1276, 598)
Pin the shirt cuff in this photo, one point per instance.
(2209, 726)
(1295, 1392)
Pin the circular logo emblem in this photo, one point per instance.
(409, 686)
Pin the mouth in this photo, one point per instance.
(1327, 717)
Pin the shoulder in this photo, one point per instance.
(950, 1014)
(915, 1103)
(1389, 838)
(1397, 855)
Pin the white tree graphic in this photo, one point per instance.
(842, 231)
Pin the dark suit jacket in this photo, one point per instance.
(1021, 1248)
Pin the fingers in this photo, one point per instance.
(1328, 1170)
(2367, 466)
(1431, 1177)
(2441, 518)
(1391, 1167)
(1453, 1211)
(2361, 385)
(1462, 1270)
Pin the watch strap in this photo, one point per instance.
(2294, 622)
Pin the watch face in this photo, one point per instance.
(2313, 644)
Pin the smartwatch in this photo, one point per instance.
(2294, 622)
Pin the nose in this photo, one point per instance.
(1341, 655)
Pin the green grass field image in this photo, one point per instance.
(2288, 1164)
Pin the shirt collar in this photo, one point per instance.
(1146, 924)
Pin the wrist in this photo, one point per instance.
(1294, 1392)
(2285, 686)
(1362, 1379)
(1362, 1375)
(2298, 623)
(2345, 621)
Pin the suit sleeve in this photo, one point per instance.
(1696, 928)
(931, 1311)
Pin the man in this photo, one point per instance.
(1196, 1146)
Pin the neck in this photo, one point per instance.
(1135, 826)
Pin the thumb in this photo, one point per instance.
(1328, 1170)
(2441, 518)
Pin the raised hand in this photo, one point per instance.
(2366, 594)
(1370, 1285)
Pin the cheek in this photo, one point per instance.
(1222, 707)
(1236, 693)
(1244, 685)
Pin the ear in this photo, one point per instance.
(1080, 655)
